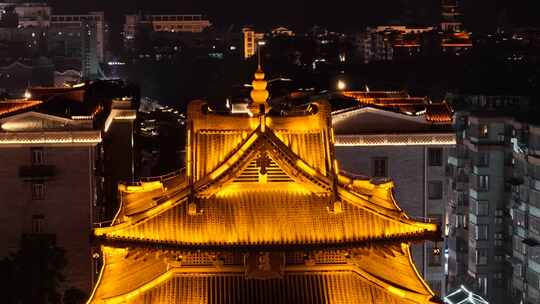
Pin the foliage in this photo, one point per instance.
(33, 274)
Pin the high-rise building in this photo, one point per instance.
(57, 164)
(261, 215)
(407, 139)
(488, 218)
(524, 208)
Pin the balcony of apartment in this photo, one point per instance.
(533, 293)
(458, 157)
(478, 136)
(459, 183)
(532, 143)
(37, 172)
(478, 186)
(534, 198)
(518, 283)
(459, 202)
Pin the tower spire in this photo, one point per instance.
(259, 93)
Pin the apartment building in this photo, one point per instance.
(490, 177)
(407, 139)
(57, 156)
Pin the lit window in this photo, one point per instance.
(380, 167)
(484, 130)
(435, 257)
(38, 191)
(435, 190)
(519, 219)
(435, 157)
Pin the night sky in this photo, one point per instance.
(339, 15)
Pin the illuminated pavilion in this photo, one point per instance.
(261, 214)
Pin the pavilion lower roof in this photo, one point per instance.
(377, 274)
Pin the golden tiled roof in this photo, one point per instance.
(300, 211)
(282, 215)
(376, 274)
(254, 219)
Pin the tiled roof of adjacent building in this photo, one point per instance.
(10, 107)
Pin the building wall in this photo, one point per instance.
(481, 260)
(409, 169)
(66, 207)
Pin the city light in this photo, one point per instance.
(27, 95)
(341, 85)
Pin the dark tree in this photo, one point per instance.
(33, 274)
(74, 296)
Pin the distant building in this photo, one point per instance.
(57, 167)
(30, 14)
(251, 41)
(407, 139)
(87, 34)
(17, 76)
(456, 43)
(385, 43)
(451, 17)
(164, 23)
(282, 31)
(76, 40)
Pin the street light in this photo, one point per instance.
(341, 85)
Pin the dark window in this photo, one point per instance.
(435, 157)
(435, 190)
(380, 167)
(483, 159)
(38, 191)
(482, 208)
(483, 182)
(481, 232)
(38, 156)
(481, 256)
(37, 223)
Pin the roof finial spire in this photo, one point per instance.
(259, 59)
(259, 94)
